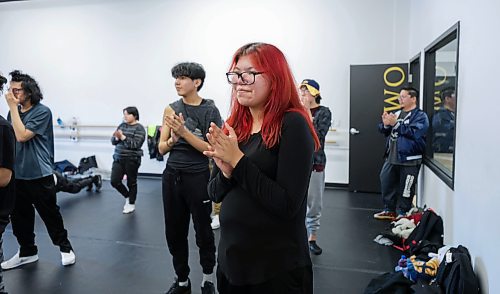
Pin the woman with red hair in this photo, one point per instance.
(263, 158)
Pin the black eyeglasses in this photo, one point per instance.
(246, 77)
(16, 90)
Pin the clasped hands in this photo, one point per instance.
(389, 119)
(176, 124)
(223, 148)
(177, 128)
(118, 134)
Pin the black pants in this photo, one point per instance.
(297, 281)
(398, 184)
(129, 167)
(74, 185)
(39, 194)
(185, 194)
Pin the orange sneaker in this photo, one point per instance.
(385, 215)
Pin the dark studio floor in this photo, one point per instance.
(119, 253)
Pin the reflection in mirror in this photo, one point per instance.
(440, 103)
(443, 119)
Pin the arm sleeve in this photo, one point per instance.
(39, 122)
(218, 186)
(114, 140)
(7, 148)
(324, 123)
(285, 195)
(384, 130)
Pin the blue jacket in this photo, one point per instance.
(411, 134)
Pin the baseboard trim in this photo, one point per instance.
(149, 175)
(336, 185)
(327, 185)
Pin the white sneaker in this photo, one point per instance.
(128, 208)
(127, 203)
(16, 261)
(215, 222)
(68, 258)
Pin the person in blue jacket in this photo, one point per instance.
(443, 123)
(406, 132)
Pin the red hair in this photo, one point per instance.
(283, 96)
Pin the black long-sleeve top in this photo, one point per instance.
(264, 204)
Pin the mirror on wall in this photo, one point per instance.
(440, 103)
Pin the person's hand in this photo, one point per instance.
(119, 135)
(392, 118)
(303, 101)
(224, 167)
(11, 100)
(176, 124)
(389, 119)
(384, 117)
(222, 146)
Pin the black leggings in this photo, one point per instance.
(129, 167)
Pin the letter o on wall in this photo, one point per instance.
(391, 69)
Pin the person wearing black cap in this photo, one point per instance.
(7, 193)
(322, 119)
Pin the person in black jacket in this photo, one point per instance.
(263, 157)
(7, 177)
(322, 120)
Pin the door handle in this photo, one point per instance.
(353, 131)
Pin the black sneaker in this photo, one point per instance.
(176, 289)
(98, 183)
(314, 248)
(89, 186)
(208, 288)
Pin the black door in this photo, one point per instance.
(373, 89)
(414, 77)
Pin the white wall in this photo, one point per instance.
(470, 211)
(93, 58)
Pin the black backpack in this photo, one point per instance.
(456, 276)
(428, 231)
(389, 283)
(87, 163)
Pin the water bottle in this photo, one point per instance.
(60, 122)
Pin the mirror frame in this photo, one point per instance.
(450, 35)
